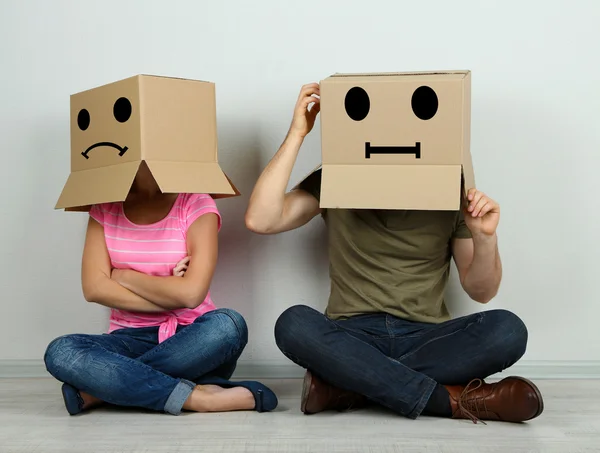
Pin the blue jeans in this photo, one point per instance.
(397, 363)
(129, 368)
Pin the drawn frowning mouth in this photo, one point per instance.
(102, 144)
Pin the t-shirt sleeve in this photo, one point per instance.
(195, 206)
(97, 213)
(312, 184)
(461, 231)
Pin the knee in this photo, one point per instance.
(510, 334)
(59, 354)
(292, 326)
(232, 326)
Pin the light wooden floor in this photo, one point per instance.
(33, 420)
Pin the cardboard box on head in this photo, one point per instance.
(396, 140)
(166, 123)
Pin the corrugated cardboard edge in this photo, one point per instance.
(114, 82)
(467, 160)
(406, 73)
(175, 78)
(139, 76)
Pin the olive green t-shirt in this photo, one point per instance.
(389, 261)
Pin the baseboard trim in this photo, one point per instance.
(279, 370)
(530, 369)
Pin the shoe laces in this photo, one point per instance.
(468, 403)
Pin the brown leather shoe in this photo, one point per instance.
(318, 396)
(513, 399)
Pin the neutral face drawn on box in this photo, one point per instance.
(121, 111)
(424, 103)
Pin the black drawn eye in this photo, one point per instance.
(83, 119)
(424, 103)
(357, 104)
(122, 110)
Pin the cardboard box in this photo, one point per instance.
(396, 140)
(168, 123)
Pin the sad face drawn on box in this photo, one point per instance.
(121, 112)
(106, 125)
(167, 123)
(395, 141)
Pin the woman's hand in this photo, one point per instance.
(304, 117)
(120, 275)
(181, 267)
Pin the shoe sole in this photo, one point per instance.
(306, 384)
(537, 393)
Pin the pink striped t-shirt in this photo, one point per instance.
(153, 249)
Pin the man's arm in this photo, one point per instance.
(270, 209)
(478, 258)
(96, 282)
(190, 290)
(479, 266)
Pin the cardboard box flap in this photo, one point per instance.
(432, 187)
(97, 185)
(192, 177)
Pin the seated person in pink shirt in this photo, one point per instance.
(168, 347)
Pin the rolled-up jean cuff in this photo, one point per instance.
(178, 396)
(416, 412)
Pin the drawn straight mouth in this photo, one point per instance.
(369, 150)
(110, 144)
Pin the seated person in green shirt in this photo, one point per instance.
(386, 336)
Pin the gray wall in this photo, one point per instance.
(535, 144)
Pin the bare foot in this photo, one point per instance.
(90, 401)
(212, 398)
